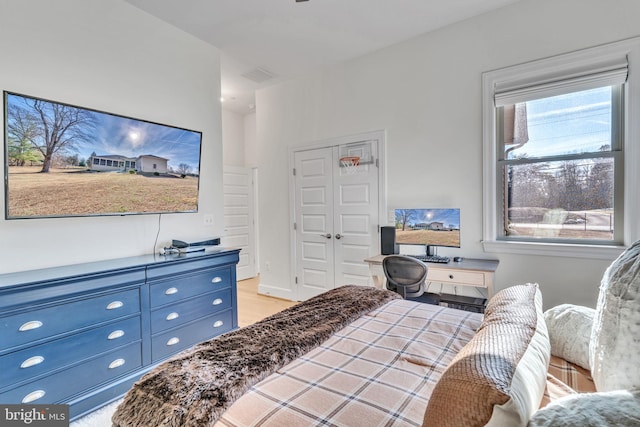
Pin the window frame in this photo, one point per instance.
(560, 67)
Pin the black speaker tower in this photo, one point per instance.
(388, 240)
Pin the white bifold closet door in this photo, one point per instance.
(336, 217)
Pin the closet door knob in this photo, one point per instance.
(328, 235)
(338, 236)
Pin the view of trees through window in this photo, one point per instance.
(558, 179)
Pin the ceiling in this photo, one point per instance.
(264, 42)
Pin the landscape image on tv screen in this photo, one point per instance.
(432, 227)
(62, 160)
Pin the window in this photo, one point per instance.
(557, 166)
(560, 155)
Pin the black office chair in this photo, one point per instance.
(405, 275)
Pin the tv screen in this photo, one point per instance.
(429, 227)
(62, 160)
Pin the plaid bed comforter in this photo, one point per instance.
(378, 371)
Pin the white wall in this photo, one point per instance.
(426, 94)
(250, 141)
(110, 56)
(232, 138)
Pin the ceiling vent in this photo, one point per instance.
(258, 75)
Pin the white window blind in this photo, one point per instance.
(561, 80)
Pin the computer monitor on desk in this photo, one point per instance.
(428, 227)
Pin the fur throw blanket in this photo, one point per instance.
(196, 386)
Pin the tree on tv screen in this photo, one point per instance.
(48, 128)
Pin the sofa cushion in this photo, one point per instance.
(499, 377)
(570, 331)
(615, 341)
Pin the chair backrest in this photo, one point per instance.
(405, 275)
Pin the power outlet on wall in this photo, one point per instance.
(208, 219)
(267, 266)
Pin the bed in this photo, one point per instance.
(358, 356)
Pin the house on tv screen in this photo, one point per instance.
(144, 163)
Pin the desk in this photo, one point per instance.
(478, 273)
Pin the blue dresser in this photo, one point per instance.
(83, 334)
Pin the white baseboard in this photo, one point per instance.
(273, 291)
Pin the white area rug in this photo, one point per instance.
(99, 418)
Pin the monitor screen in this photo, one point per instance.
(428, 227)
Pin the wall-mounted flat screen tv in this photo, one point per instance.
(428, 227)
(62, 160)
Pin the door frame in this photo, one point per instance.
(380, 136)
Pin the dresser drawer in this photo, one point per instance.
(473, 278)
(171, 342)
(174, 315)
(38, 360)
(64, 384)
(46, 322)
(177, 288)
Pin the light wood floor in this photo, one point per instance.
(253, 307)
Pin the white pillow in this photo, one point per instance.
(615, 338)
(612, 408)
(570, 331)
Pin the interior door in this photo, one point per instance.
(355, 213)
(336, 217)
(239, 218)
(314, 221)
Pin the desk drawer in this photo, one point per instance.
(473, 278)
(171, 316)
(64, 384)
(178, 288)
(171, 342)
(32, 362)
(47, 322)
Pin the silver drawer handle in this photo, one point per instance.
(114, 305)
(173, 341)
(172, 316)
(34, 324)
(217, 301)
(115, 334)
(216, 279)
(116, 363)
(171, 291)
(34, 395)
(218, 323)
(35, 360)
